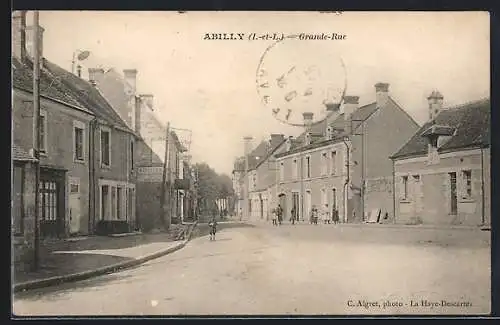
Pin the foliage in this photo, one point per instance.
(211, 186)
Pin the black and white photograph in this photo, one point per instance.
(245, 163)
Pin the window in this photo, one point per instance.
(295, 169)
(334, 198)
(404, 190)
(48, 201)
(282, 171)
(324, 163)
(113, 202)
(17, 208)
(132, 155)
(308, 167)
(43, 132)
(416, 178)
(333, 162)
(119, 192)
(105, 148)
(104, 202)
(78, 141)
(467, 178)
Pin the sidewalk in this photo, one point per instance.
(83, 257)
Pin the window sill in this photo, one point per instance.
(43, 154)
(105, 167)
(404, 201)
(467, 200)
(79, 161)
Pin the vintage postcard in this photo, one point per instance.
(250, 163)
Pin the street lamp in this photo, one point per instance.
(79, 55)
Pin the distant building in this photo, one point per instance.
(343, 162)
(443, 172)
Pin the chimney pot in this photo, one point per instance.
(19, 34)
(30, 30)
(351, 104)
(435, 101)
(308, 119)
(381, 93)
(95, 74)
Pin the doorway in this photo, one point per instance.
(308, 203)
(296, 203)
(282, 202)
(51, 203)
(453, 193)
(74, 205)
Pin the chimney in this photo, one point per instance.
(289, 143)
(30, 38)
(19, 34)
(79, 71)
(351, 104)
(95, 75)
(247, 145)
(148, 100)
(381, 93)
(308, 119)
(435, 101)
(131, 78)
(138, 116)
(276, 139)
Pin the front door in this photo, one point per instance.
(74, 206)
(282, 202)
(308, 206)
(453, 193)
(51, 203)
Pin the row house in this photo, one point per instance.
(237, 177)
(443, 172)
(343, 162)
(262, 177)
(86, 150)
(137, 110)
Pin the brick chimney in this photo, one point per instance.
(131, 78)
(381, 93)
(308, 119)
(351, 104)
(95, 75)
(30, 30)
(276, 139)
(435, 101)
(148, 99)
(19, 34)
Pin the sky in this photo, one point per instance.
(209, 86)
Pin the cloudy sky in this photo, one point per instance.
(209, 86)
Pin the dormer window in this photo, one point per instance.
(308, 139)
(288, 144)
(329, 133)
(437, 135)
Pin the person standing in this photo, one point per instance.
(326, 214)
(335, 215)
(274, 216)
(294, 214)
(280, 214)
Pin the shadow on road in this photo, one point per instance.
(63, 291)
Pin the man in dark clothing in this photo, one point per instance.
(294, 215)
(280, 214)
(213, 228)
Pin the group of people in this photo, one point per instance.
(326, 216)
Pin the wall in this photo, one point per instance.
(317, 181)
(435, 198)
(23, 245)
(59, 143)
(383, 133)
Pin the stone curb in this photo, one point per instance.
(56, 280)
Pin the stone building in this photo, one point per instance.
(443, 172)
(344, 161)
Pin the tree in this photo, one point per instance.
(212, 186)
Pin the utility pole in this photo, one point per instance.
(36, 135)
(165, 178)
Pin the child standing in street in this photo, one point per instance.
(275, 217)
(213, 228)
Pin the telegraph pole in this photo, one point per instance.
(166, 223)
(36, 135)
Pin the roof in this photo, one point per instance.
(272, 149)
(87, 94)
(318, 130)
(178, 143)
(438, 130)
(257, 154)
(22, 78)
(19, 154)
(471, 123)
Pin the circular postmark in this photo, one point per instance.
(299, 79)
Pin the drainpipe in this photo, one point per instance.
(482, 188)
(92, 175)
(346, 183)
(302, 194)
(393, 191)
